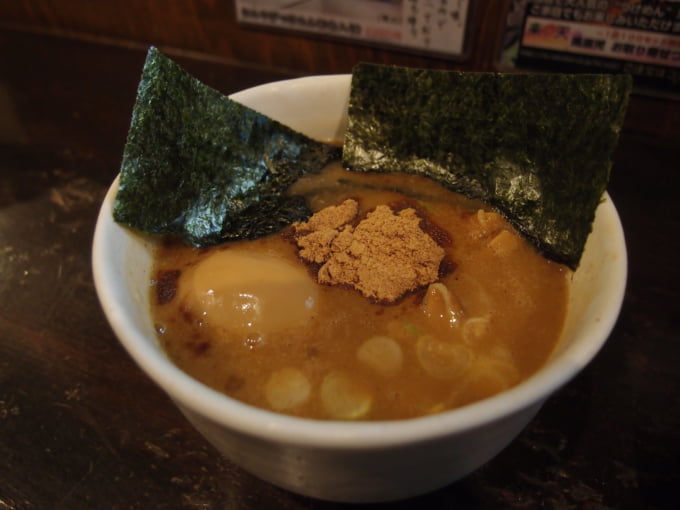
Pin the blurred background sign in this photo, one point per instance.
(430, 26)
(638, 37)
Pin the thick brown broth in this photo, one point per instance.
(486, 326)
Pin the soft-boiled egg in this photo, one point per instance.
(249, 294)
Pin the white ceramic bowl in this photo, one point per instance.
(353, 462)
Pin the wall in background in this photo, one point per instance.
(208, 28)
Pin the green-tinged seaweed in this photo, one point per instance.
(535, 146)
(206, 168)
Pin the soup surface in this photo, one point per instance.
(250, 319)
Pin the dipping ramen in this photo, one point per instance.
(263, 323)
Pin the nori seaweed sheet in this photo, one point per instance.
(537, 147)
(208, 169)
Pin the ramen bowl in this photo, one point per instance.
(353, 461)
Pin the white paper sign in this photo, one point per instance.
(433, 26)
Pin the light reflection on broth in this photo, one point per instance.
(327, 352)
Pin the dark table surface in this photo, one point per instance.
(82, 427)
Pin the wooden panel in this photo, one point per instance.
(208, 29)
(209, 26)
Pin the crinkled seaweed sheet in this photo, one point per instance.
(205, 168)
(537, 147)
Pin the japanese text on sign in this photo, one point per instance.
(436, 26)
(639, 37)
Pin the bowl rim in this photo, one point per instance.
(252, 421)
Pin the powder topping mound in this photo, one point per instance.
(384, 255)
